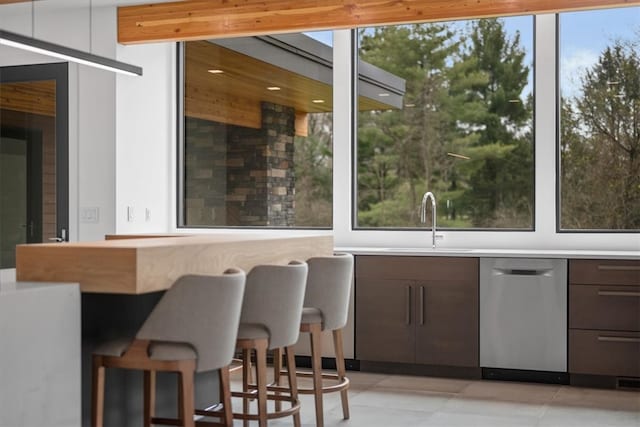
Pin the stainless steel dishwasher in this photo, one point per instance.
(523, 315)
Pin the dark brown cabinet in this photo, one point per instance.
(604, 317)
(421, 310)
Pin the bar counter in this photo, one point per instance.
(140, 265)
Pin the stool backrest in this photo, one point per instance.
(329, 288)
(273, 298)
(203, 311)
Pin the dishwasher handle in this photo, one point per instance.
(522, 271)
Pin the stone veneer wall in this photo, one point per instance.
(205, 172)
(246, 173)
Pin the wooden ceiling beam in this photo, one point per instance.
(209, 19)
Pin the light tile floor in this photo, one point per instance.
(408, 401)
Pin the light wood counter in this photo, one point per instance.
(142, 265)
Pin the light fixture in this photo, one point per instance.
(216, 71)
(273, 88)
(68, 54)
(318, 101)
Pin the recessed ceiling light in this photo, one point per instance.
(318, 101)
(273, 88)
(216, 71)
(383, 94)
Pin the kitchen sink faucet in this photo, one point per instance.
(423, 215)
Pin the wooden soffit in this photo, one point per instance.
(35, 97)
(208, 19)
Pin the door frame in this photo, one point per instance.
(60, 73)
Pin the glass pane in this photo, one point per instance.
(600, 120)
(27, 165)
(258, 132)
(462, 128)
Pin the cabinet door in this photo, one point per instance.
(384, 319)
(447, 319)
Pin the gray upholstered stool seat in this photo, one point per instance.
(326, 306)
(155, 351)
(311, 315)
(252, 331)
(191, 329)
(270, 320)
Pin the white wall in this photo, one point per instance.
(145, 135)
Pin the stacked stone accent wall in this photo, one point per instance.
(278, 124)
(205, 172)
(241, 176)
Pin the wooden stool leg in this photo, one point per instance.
(261, 379)
(337, 343)
(293, 381)
(187, 398)
(97, 393)
(246, 377)
(225, 397)
(149, 396)
(315, 333)
(277, 367)
(180, 398)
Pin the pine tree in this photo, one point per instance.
(495, 120)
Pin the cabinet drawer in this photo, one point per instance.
(604, 353)
(604, 272)
(614, 308)
(416, 268)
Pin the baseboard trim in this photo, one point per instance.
(544, 377)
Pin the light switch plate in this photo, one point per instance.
(90, 215)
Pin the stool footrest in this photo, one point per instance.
(342, 384)
(295, 408)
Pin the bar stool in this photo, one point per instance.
(326, 308)
(271, 313)
(191, 329)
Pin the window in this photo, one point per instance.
(600, 120)
(257, 132)
(448, 109)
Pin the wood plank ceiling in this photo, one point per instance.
(208, 19)
(233, 93)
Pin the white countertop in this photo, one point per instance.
(495, 253)
(11, 288)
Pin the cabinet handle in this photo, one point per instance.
(619, 267)
(618, 339)
(618, 294)
(421, 305)
(407, 293)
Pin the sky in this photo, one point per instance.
(583, 36)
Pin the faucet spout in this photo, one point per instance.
(423, 215)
